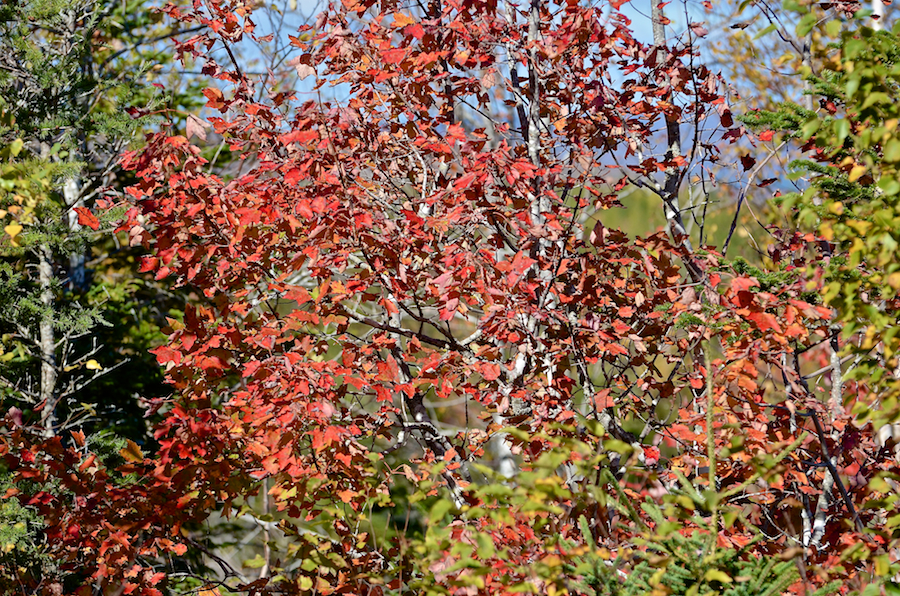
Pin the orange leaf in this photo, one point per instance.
(132, 452)
(86, 218)
(402, 20)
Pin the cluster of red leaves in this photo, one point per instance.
(382, 254)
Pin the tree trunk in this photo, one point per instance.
(49, 373)
(877, 15)
(673, 136)
(77, 269)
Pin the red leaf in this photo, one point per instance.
(490, 371)
(165, 355)
(415, 30)
(765, 321)
(726, 117)
(155, 578)
(148, 264)
(743, 284)
(464, 182)
(299, 136)
(604, 400)
(651, 455)
(293, 177)
(177, 141)
(455, 132)
(394, 55)
(86, 218)
(598, 235)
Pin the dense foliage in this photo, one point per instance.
(418, 360)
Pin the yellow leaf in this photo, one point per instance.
(784, 59)
(92, 365)
(861, 226)
(717, 575)
(209, 591)
(13, 230)
(132, 452)
(893, 280)
(856, 172)
(175, 324)
(552, 561)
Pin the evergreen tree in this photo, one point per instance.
(73, 87)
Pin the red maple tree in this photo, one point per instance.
(411, 292)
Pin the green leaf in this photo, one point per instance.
(16, 147)
(440, 509)
(485, 544)
(874, 98)
(872, 589)
(810, 128)
(255, 563)
(889, 185)
(765, 32)
(841, 130)
(618, 446)
(892, 151)
(806, 24)
(852, 86)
